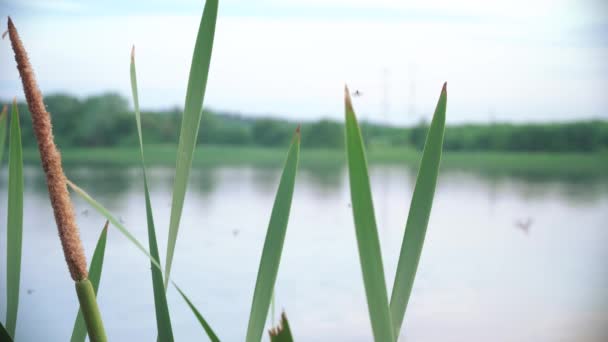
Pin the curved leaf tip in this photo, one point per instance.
(348, 101)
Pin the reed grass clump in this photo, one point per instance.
(57, 186)
(386, 313)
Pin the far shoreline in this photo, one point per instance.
(593, 164)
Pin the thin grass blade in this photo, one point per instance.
(14, 222)
(105, 213)
(163, 319)
(282, 333)
(418, 217)
(195, 94)
(273, 246)
(3, 123)
(365, 228)
(79, 333)
(4, 336)
(212, 336)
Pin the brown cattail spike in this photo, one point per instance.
(51, 162)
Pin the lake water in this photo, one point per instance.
(481, 277)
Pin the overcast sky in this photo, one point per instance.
(508, 60)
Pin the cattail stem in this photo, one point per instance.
(58, 192)
(90, 311)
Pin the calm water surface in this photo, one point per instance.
(481, 278)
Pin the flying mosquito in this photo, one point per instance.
(357, 93)
(524, 225)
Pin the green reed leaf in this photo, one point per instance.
(212, 336)
(4, 336)
(418, 217)
(14, 223)
(365, 228)
(282, 333)
(79, 333)
(195, 94)
(163, 319)
(105, 213)
(273, 246)
(3, 123)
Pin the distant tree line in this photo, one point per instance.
(107, 120)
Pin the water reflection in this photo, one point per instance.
(113, 182)
(108, 182)
(204, 180)
(479, 277)
(325, 179)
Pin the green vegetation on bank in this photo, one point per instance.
(106, 120)
(164, 155)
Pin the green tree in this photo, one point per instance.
(417, 134)
(323, 133)
(269, 132)
(103, 121)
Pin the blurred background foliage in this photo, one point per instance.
(106, 120)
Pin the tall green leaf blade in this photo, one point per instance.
(14, 222)
(212, 336)
(282, 333)
(3, 122)
(418, 217)
(103, 211)
(79, 333)
(163, 319)
(366, 231)
(4, 336)
(197, 83)
(273, 246)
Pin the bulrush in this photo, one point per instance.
(51, 162)
(57, 185)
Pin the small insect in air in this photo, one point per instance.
(357, 93)
(524, 225)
